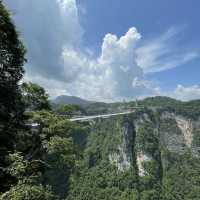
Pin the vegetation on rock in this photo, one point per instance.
(43, 156)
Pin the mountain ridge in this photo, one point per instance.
(74, 100)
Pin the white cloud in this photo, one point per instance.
(186, 93)
(110, 75)
(47, 27)
(53, 87)
(58, 61)
(162, 54)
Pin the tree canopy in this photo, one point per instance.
(12, 58)
(35, 97)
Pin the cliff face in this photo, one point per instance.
(145, 136)
(145, 155)
(123, 157)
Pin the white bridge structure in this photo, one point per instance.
(88, 118)
(35, 125)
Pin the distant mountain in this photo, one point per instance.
(64, 99)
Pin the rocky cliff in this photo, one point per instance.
(150, 154)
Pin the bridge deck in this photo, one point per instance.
(86, 118)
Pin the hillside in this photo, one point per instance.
(71, 148)
(64, 99)
(152, 154)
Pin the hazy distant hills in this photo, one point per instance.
(64, 99)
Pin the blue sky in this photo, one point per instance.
(111, 49)
(151, 18)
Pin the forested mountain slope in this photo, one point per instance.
(151, 154)
(64, 99)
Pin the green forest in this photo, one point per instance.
(45, 156)
(35, 162)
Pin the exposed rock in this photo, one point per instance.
(176, 132)
(187, 129)
(167, 115)
(124, 156)
(141, 158)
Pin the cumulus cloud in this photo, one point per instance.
(53, 36)
(186, 93)
(59, 62)
(111, 74)
(47, 27)
(162, 54)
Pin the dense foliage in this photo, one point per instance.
(11, 107)
(44, 156)
(96, 177)
(70, 110)
(34, 97)
(38, 149)
(191, 109)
